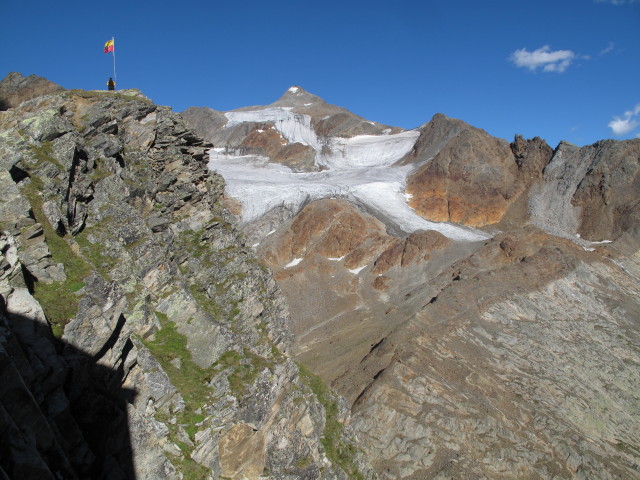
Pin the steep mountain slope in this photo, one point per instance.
(15, 89)
(510, 352)
(590, 191)
(139, 336)
(464, 175)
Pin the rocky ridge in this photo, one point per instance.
(140, 337)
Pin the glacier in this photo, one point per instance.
(361, 169)
(261, 186)
(332, 152)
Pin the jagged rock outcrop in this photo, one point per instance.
(590, 191)
(140, 337)
(464, 175)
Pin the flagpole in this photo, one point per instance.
(115, 79)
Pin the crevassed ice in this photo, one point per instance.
(332, 152)
(261, 186)
(367, 150)
(358, 168)
(295, 127)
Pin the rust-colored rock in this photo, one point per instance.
(531, 155)
(471, 180)
(381, 283)
(608, 195)
(332, 229)
(415, 248)
(242, 452)
(264, 139)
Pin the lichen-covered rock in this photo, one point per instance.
(171, 356)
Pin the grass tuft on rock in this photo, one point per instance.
(58, 301)
(190, 379)
(337, 449)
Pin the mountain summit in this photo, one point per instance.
(297, 96)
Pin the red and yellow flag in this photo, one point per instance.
(108, 47)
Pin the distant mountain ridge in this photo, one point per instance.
(15, 89)
(508, 350)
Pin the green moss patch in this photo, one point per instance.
(245, 368)
(190, 380)
(43, 153)
(339, 452)
(58, 301)
(95, 252)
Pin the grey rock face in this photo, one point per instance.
(590, 191)
(171, 346)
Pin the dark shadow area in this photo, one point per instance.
(62, 415)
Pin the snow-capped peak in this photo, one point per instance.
(296, 96)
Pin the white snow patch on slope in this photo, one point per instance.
(261, 186)
(295, 127)
(333, 152)
(367, 150)
(356, 271)
(293, 262)
(358, 168)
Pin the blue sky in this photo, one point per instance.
(561, 70)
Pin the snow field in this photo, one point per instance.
(334, 153)
(261, 186)
(358, 168)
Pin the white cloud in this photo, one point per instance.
(543, 57)
(621, 125)
(608, 49)
(618, 2)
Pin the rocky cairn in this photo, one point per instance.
(139, 336)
